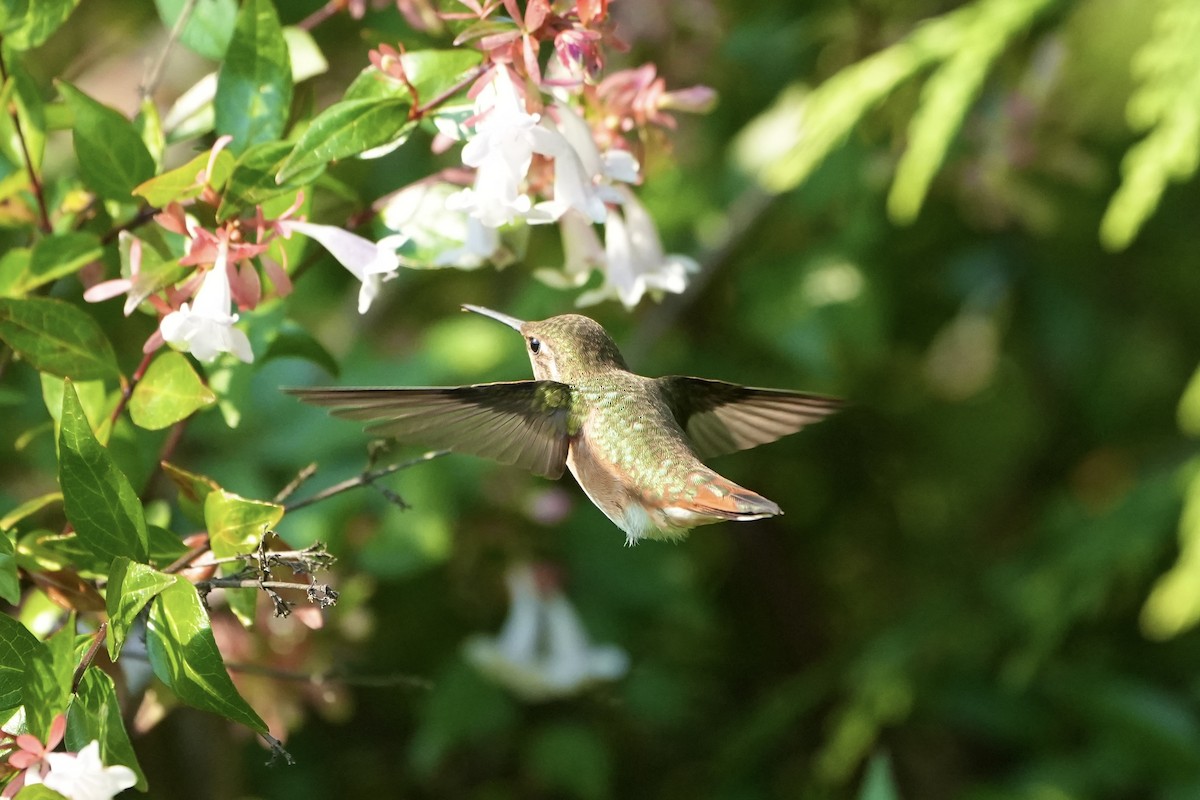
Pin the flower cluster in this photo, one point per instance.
(197, 288)
(542, 652)
(553, 145)
(76, 776)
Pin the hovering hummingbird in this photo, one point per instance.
(633, 443)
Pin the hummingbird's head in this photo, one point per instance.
(563, 348)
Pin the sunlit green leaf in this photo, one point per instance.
(184, 655)
(130, 587)
(347, 129)
(56, 337)
(52, 258)
(112, 157)
(99, 502)
(30, 111)
(254, 87)
(181, 183)
(38, 26)
(209, 26)
(95, 715)
(253, 180)
(168, 392)
(235, 524)
(193, 489)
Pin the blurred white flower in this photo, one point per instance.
(582, 253)
(204, 327)
(634, 260)
(83, 776)
(370, 262)
(542, 652)
(440, 237)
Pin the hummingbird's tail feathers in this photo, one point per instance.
(724, 499)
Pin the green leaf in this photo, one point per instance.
(165, 547)
(95, 715)
(130, 587)
(293, 341)
(208, 29)
(99, 502)
(253, 180)
(56, 337)
(10, 581)
(12, 15)
(47, 17)
(18, 650)
(1189, 406)
(180, 183)
(433, 72)
(347, 129)
(168, 392)
(47, 688)
(184, 655)
(54, 257)
(254, 87)
(38, 791)
(31, 113)
(111, 155)
(235, 524)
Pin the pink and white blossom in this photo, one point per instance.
(204, 327)
(370, 262)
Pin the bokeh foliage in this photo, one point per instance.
(974, 220)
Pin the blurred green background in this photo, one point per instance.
(956, 597)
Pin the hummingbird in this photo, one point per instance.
(633, 443)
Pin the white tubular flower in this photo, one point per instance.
(501, 150)
(543, 652)
(582, 253)
(83, 776)
(440, 237)
(634, 260)
(204, 328)
(370, 262)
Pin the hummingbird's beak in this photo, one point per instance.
(511, 322)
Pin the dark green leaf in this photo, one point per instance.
(95, 715)
(18, 649)
(10, 581)
(112, 157)
(570, 758)
(209, 27)
(184, 655)
(254, 87)
(235, 524)
(165, 546)
(253, 180)
(12, 15)
(347, 129)
(130, 587)
(168, 392)
(56, 337)
(99, 502)
(28, 509)
(293, 341)
(181, 183)
(45, 19)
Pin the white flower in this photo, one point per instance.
(543, 652)
(205, 327)
(83, 776)
(441, 237)
(582, 253)
(634, 258)
(501, 150)
(370, 262)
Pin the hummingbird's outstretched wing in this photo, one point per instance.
(520, 422)
(722, 417)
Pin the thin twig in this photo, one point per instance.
(154, 74)
(418, 112)
(127, 389)
(365, 479)
(295, 483)
(333, 676)
(321, 14)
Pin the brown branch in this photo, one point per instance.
(127, 389)
(365, 479)
(97, 642)
(154, 73)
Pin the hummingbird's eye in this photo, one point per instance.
(534, 346)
